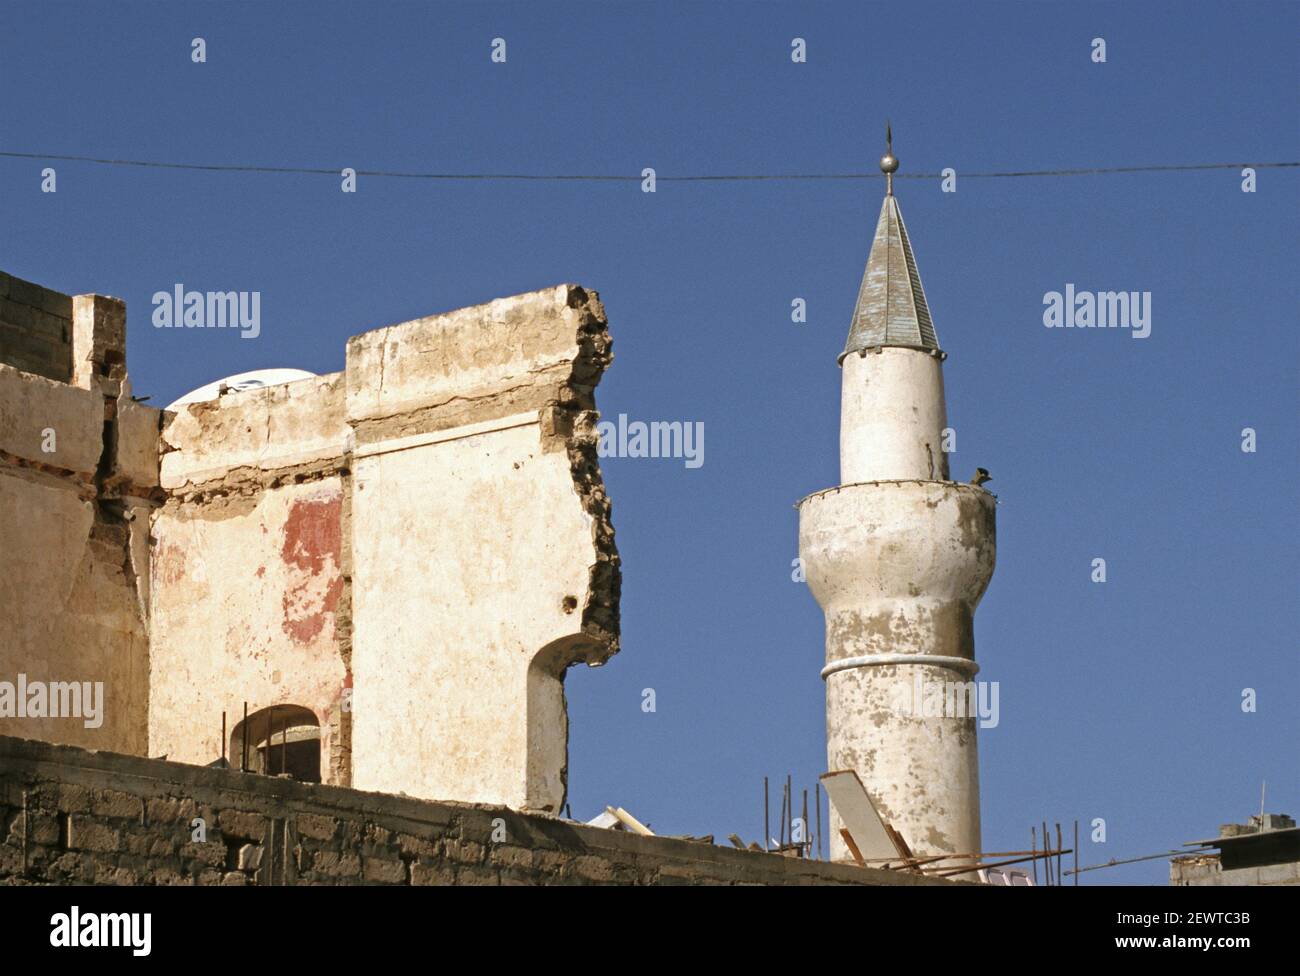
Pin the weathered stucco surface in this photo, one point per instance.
(78, 478)
(483, 553)
(248, 572)
(899, 567)
(408, 553)
(413, 549)
(892, 416)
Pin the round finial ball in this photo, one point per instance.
(888, 163)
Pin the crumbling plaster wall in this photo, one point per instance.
(483, 551)
(427, 529)
(249, 583)
(438, 505)
(78, 478)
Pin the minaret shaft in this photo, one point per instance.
(898, 556)
(898, 568)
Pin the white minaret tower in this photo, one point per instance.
(898, 557)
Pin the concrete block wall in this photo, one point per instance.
(69, 816)
(35, 328)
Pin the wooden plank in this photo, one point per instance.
(853, 848)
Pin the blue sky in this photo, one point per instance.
(1119, 700)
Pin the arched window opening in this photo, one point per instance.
(279, 740)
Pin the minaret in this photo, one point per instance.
(898, 557)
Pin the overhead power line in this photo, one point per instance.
(636, 178)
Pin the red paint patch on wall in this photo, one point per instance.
(304, 621)
(167, 564)
(313, 532)
(312, 549)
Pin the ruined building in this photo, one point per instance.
(392, 565)
(898, 556)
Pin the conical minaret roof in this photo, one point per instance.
(891, 309)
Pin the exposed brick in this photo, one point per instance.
(211, 852)
(316, 827)
(148, 844)
(113, 803)
(72, 799)
(425, 872)
(386, 872)
(25, 292)
(41, 828)
(108, 875)
(69, 865)
(50, 327)
(336, 837)
(672, 874)
(335, 865)
(512, 857)
(600, 870)
(237, 823)
(85, 834)
(550, 862)
(409, 844)
(466, 851)
(56, 303)
(17, 313)
(477, 874)
(169, 809)
(168, 876)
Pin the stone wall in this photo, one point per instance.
(35, 328)
(68, 816)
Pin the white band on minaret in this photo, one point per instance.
(960, 664)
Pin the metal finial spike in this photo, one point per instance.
(889, 162)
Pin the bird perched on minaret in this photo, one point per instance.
(981, 476)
